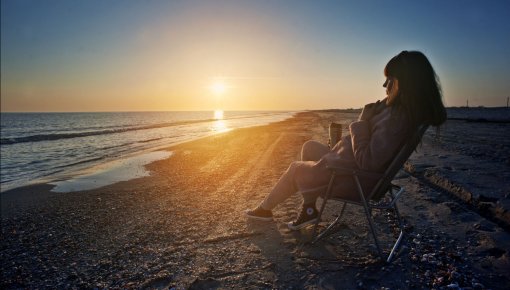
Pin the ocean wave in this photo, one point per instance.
(81, 162)
(59, 136)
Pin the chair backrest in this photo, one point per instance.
(398, 161)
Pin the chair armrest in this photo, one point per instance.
(339, 170)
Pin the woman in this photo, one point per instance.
(413, 98)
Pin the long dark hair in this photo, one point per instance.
(420, 96)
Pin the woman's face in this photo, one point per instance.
(391, 85)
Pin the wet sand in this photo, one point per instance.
(184, 226)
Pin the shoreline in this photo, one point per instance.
(183, 226)
(90, 167)
(474, 114)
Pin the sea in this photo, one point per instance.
(41, 147)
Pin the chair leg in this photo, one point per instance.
(395, 247)
(368, 215)
(400, 236)
(331, 225)
(326, 197)
(372, 229)
(399, 219)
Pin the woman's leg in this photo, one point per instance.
(313, 151)
(286, 187)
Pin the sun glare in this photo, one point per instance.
(218, 114)
(218, 88)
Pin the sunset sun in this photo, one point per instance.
(218, 88)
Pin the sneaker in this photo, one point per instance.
(259, 214)
(308, 216)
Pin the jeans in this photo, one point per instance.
(311, 151)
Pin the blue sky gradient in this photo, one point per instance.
(160, 55)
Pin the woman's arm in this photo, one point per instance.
(376, 141)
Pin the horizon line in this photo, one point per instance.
(287, 110)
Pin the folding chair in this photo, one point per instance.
(383, 187)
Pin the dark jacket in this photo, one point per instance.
(371, 145)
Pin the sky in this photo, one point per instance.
(115, 55)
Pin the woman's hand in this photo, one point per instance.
(371, 110)
(331, 158)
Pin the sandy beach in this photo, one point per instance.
(184, 225)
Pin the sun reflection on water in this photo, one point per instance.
(220, 126)
(218, 114)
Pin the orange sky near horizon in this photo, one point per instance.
(263, 68)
